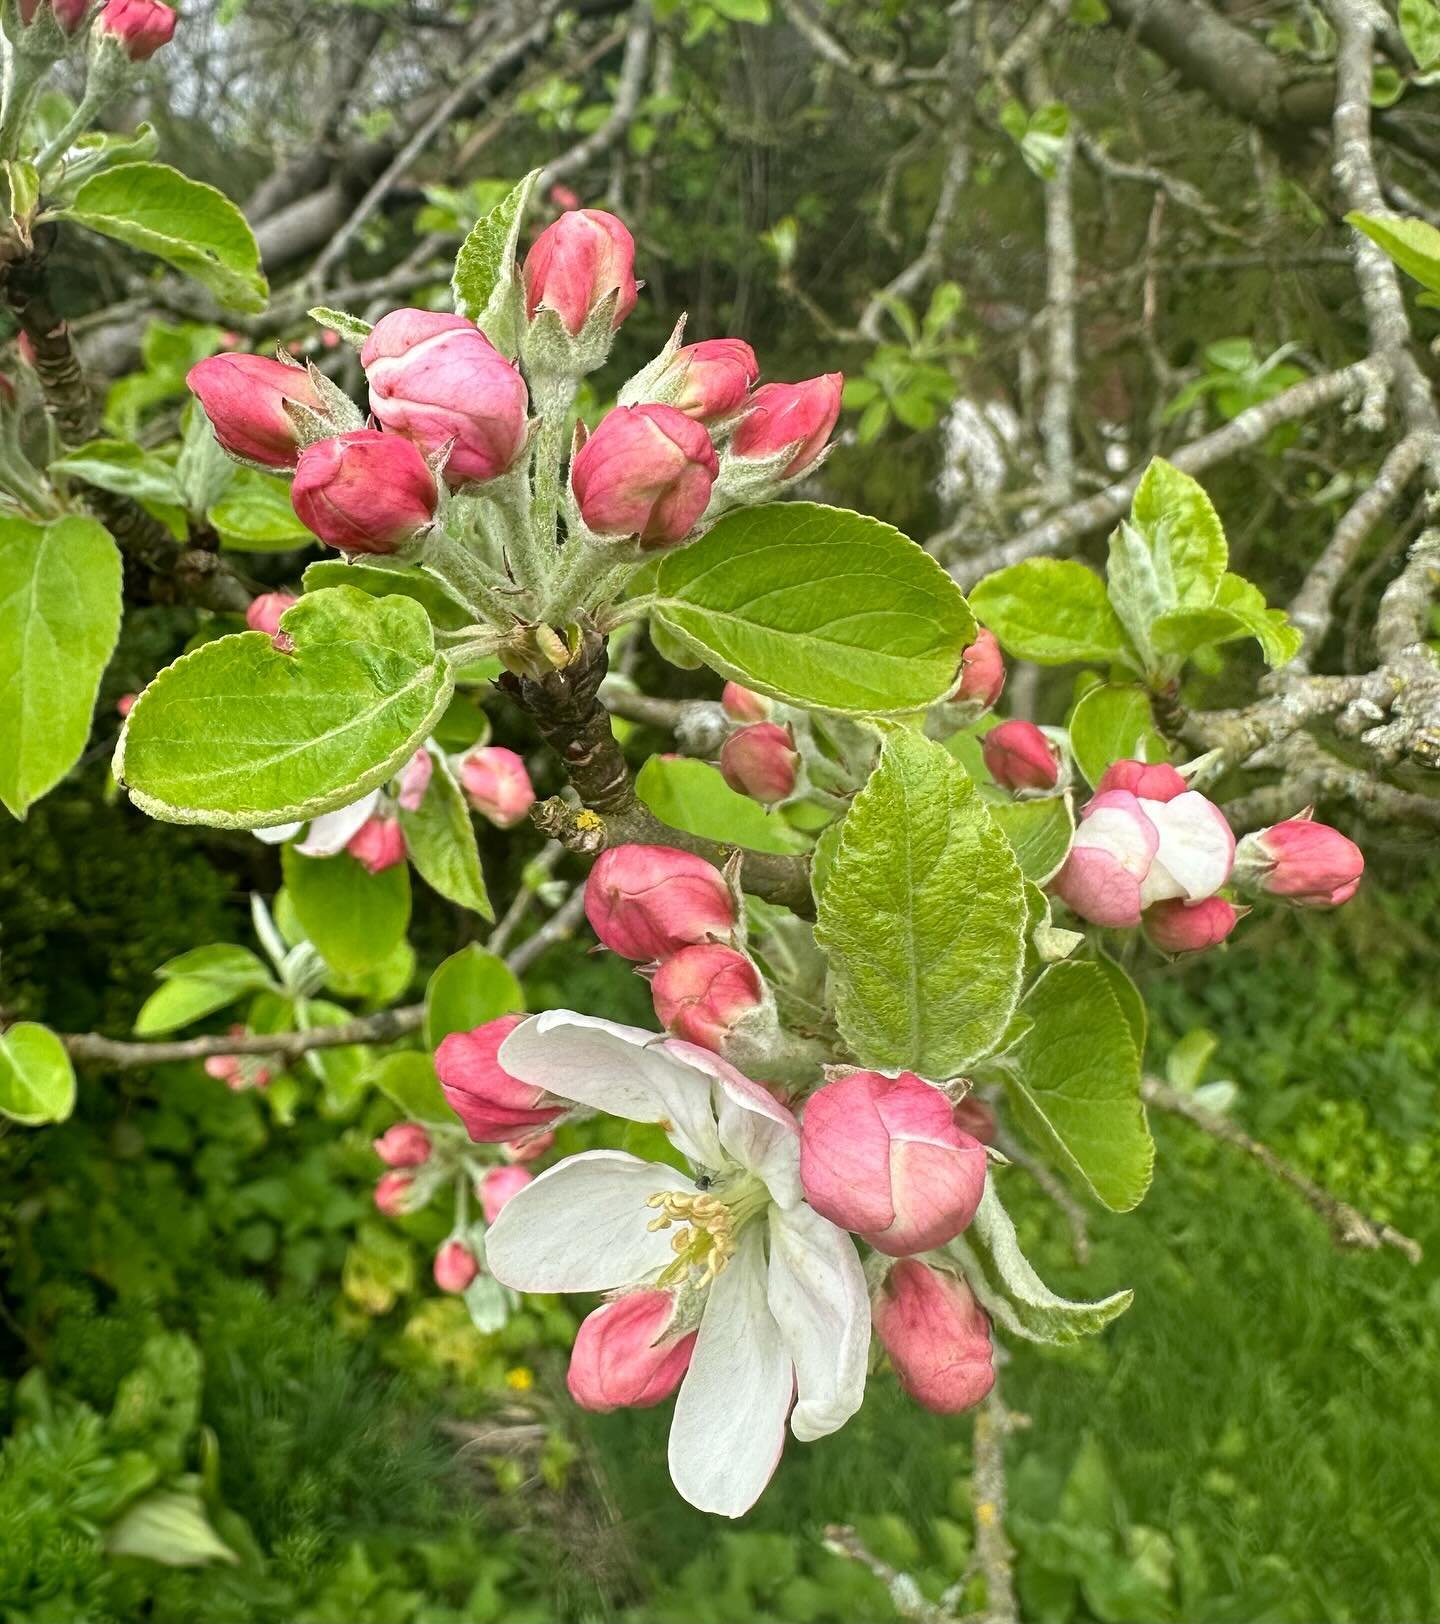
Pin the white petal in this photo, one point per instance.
(817, 1294)
(729, 1426)
(581, 1226)
(277, 834)
(332, 832)
(622, 1070)
(1196, 849)
(755, 1129)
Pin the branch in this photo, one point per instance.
(1062, 370)
(622, 110)
(1073, 1211)
(906, 1596)
(994, 1554)
(1348, 1226)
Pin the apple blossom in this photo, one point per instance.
(715, 376)
(761, 761)
(982, 671)
(364, 492)
(937, 1336)
(497, 785)
(492, 1104)
(496, 1186)
(455, 1266)
(797, 417)
(625, 1355)
(1307, 863)
(244, 397)
(327, 834)
(378, 843)
(578, 262)
(1175, 926)
(646, 471)
(138, 27)
(407, 1144)
(415, 778)
(744, 704)
(263, 614)
(1019, 756)
(238, 1071)
(392, 1193)
(647, 902)
(701, 993)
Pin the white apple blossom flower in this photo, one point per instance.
(329, 834)
(778, 1291)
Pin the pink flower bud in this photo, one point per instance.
(761, 761)
(743, 705)
(68, 13)
(364, 492)
(882, 1156)
(455, 1266)
(126, 703)
(647, 902)
(392, 1194)
(529, 1147)
(497, 785)
(378, 844)
(140, 27)
(717, 373)
(492, 1104)
(937, 1336)
(497, 1186)
(622, 1356)
(415, 780)
(576, 263)
(244, 397)
(646, 471)
(701, 993)
(982, 671)
(1019, 756)
(798, 415)
(1109, 857)
(437, 379)
(564, 197)
(238, 1071)
(1307, 863)
(1151, 782)
(264, 612)
(405, 1145)
(1176, 926)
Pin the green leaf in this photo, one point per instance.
(59, 618)
(1112, 722)
(254, 515)
(470, 988)
(819, 607)
(222, 961)
(1073, 1083)
(123, 467)
(485, 285)
(37, 1081)
(381, 582)
(355, 919)
(1420, 24)
(189, 225)
(353, 329)
(177, 1003)
(1172, 511)
(1012, 1293)
(743, 11)
(408, 1079)
(922, 913)
(1414, 245)
(168, 1526)
(239, 735)
(1239, 611)
(691, 795)
(1185, 1064)
(440, 838)
(1127, 995)
(1038, 831)
(1053, 611)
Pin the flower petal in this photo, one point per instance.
(278, 833)
(816, 1291)
(729, 1426)
(755, 1129)
(581, 1226)
(1196, 850)
(331, 832)
(622, 1070)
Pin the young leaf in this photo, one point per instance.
(408, 1079)
(1073, 1083)
(168, 1526)
(470, 988)
(1239, 610)
(484, 282)
(355, 918)
(37, 1081)
(239, 735)
(1012, 1293)
(59, 618)
(440, 838)
(1038, 831)
(1172, 511)
(189, 225)
(1112, 722)
(817, 606)
(1414, 245)
(922, 913)
(123, 467)
(1053, 611)
(691, 795)
(381, 581)
(254, 515)
(353, 329)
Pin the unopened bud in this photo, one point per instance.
(646, 471)
(578, 262)
(1307, 863)
(415, 779)
(497, 785)
(244, 397)
(405, 1145)
(364, 492)
(455, 1266)
(797, 417)
(623, 1356)
(139, 27)
(647, 902)
(982, 671)
(1176, 926)
(1018, 756)
(937, 1336)
(493, 1105)
(1150, 781)
(761, 761)
(713, 377)
(744, 705)
(263, 615)
(702, 993)
(392, 1193)
(497, 1186)
(378, 843)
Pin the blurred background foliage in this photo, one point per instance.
(197, 1295)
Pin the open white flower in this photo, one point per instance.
(329, 834)
(779, 1290)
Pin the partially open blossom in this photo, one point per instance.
(982, 671)
(647, 902)
(1151, 781)
(497, 1186)
(882, 1156)
(1019, 756)
(263, 614)
(744, 704)
(244, 397)
(701, 993)
(528, 1147)
(364, 492)
(622, 1358)
(937, 1336)
(1307, 863)
(790, 415)
(717, 375)
(497, 785)
(392, 1193)
(407, 1144)
(68, 13)
(1176, 926)
(378, 844)
(437, 379)
(492, 1104)
(455, 1266)
(140, 27)
(415, 778)
(646, 471)
(1196, 850)
(762, 762)
(576, 263)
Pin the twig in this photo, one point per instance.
(1074, 1214)
(1348, 1226)
(1057, 407)
(622, 109)
(906, 1597)
(994, 1554)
